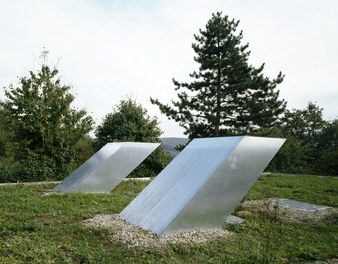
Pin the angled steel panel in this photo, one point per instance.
(202, 186)
(107, 167)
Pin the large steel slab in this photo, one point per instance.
(202, 186)
(107, 167)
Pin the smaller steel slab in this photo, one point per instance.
(107, 167)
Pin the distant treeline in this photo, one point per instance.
(43, 137)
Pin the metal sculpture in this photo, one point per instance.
(107, 167)
(202, 186)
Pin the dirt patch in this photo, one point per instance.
(135, 237)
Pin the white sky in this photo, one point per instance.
(109, 50)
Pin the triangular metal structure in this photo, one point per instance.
(202, 186)
(107, 167)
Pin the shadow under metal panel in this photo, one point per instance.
(202, 186)
(107, 167)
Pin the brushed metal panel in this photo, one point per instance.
(107, 167)
(202, 185)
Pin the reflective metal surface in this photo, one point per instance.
(107, 167)
(300, 206)
(202, 186)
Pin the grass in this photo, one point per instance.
(48, 229)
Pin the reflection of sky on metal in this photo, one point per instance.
(107, 167)
(300, 206)
(202, 185)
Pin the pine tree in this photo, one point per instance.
(227, 96)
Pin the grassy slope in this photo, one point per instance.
(48, 229)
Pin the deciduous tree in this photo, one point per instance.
(129, 121)
(327, 150)
(306, 124)
(44, 125)
(311, 145)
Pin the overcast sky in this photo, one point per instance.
(108, 50)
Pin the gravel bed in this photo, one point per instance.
(135, 237)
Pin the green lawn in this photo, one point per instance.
(38, 228)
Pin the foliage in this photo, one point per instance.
(7, 163)
(292, 156)
(44, 129)
(129, 121)
(327, 150)
(37, 228)
(305, 124)
(228, 96)
(311, 145)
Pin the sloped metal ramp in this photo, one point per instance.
(202, 186)
(107, 167)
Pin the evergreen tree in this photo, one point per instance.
(227, 95)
